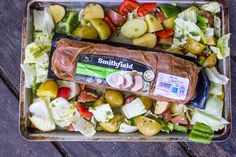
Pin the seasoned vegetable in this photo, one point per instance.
(180, 128)
(170, 10)
(114, 98)
(161, 107)
(83, 110)
(93, 11)
(165, 33)
(134, 108)
(147, 126)
(126, 128)
(127, 6)
(102, 113)
(134, 28)
(147, 40)
(48, 88)
(58, 12)
(210, 61)
(147, 102)
(63, 92)
(211, 40)
(169, 23)
(146, 8)
(194, 47)
(99, 102)
(110, 24)
(74, 87)
(68, 23)
(86, 32)
(116, 18)
(113, 124)
(177, 108)
(152, 23)
(180, 119)
(104, 31)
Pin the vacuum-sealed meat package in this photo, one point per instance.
(161, 76)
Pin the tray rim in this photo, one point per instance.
(48, 137)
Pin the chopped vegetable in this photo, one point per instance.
(74, 87)
(217, 26)
(215, 76)
(211, 41)
(147, 102)
(113, 124)
(134, 108)
(146, 8)
(213, 7)
(41, 117)
(83, 110)
(216, 89)
(48, 88)
(165, 34)
(86, 32)
(170, 10)
(93, 11)
(190, 14)
(64, 92)
(180, 119)
(169, 23)
(68, 23)
(109, 23)
(102, 113)
(223, 45)
(62, 111)
(116, 18)
(210, 61)
(166, 41)
(161, 107)
(203, 128)
(30, 74)
(194, 47)
(126, 128)
(58, 12)
(134, 28)
(87, 96)
(152, 23)
(146, 40)
(104, 31)
(114, 98)
(180, 128)
(214, 106)
(127, 6)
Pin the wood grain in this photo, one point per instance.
(12, 143)
(11, 12)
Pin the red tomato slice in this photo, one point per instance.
(83, 110)
(87, 96)
(165, 34)
(109, 23)
(146, 8)
(64, 92)
(127, 6)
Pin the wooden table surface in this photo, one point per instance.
(11, 142)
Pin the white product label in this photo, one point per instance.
(171, 86)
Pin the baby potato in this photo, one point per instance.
(99, 102)
(86, 32)
(177, 108)
(114, 98)
(58, 12)
(93, 11)
(134, 28)
(113, 124)
(104, 31)
(147, 126)
(194, 47)
(48, 88)
(153, 24)
(147, 102)
(147, 40)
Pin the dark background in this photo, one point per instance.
(12, 144)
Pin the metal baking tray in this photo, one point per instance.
(63, 135)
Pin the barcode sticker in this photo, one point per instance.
(171, 86)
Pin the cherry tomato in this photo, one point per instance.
(146, 8)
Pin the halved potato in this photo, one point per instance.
(104, 31)
(93, 11)
(161, 107)
(147, 40)
(134, 28)
(58, 12)
(153, 23)
(86, 32)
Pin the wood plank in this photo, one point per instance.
(12, 144)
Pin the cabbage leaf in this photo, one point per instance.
(189, 14)
(213, 7)
(215, 76)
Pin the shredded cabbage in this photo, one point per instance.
(212, 7)
(42, 40)
(209, 32)
(32, 52)
(62, 111)
(30, 74)
(216, 123)
(189, 14)
(215, 76)
(43, 21)
(214, 106)
(216, 89)
(217, 26)
(223, 45)
(188, 27)
(41, 117)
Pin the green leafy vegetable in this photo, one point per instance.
(214, 106)
(223, 45)
(216, 89)
(190, 14)
(181, 128)
(215, 76)
(30, 74)
(213, 7)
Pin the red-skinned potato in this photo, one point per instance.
(180, 119)
(116, 18)
(161, 107)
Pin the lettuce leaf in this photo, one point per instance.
(216, 89)
(42, 39)
(188, 27)
(32, 52)
(213, 7)
(202, 117)
(214, 106)
(189, 14)
(43, 21)
(215, 76)
(41, 117)
(217, 26)
(223, 45)
(30, 74)
(216, 50)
